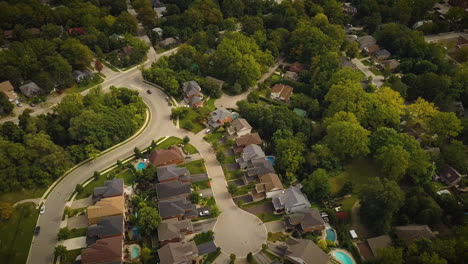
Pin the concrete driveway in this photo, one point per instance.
(275, 226)
(82, 203)
(74, 243)
(77, 222)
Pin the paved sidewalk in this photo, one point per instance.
(77, 222)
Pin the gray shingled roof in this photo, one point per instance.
(259, 167)
(111, 188)
(170, 172)
(30, 89)
(290, 198)
(109, 226)
(206, 248)
(191, 88)
(306, 250)
(174, 228)
(178, 253)
(306, 219)
(172, 189)
(175, 207)
(220, 114)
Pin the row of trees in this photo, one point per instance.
(41, 148)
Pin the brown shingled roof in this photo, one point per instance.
(106, 207)
(7, 89)
(161, 157)
(253, 138)
(103, 251)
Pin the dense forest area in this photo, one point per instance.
(41, 148)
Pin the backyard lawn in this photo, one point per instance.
(195, 167)
(358, 172)
(375, 71)
(17, 234)
(13, 197)
(348, 203)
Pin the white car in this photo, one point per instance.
(203, 213)
(208, 131)
(42, 209)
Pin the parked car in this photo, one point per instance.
(204, 213)
(208, 131)
(19, 104)
(32, 104)
(42, 209)
(148, 92)
(37, 230)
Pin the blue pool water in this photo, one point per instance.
(141, 166)
(331, 235)
(135, 252)
(271, 159)
(343, 257)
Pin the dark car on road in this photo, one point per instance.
(37, 230)
(148, 92)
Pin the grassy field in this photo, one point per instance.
(195, 167)
(171, 141)
(348, 203)
(70, 256)
(13, 197)
(17, 234)
(358, 172)
(81, 87)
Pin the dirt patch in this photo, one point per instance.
(260, 208)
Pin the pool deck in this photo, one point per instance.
(342, 251)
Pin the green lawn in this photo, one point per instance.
(232, 175)
(195, 167)
(269, 217)
(210, 104)
(17, 233)
(256, 203)
(366, 62)
(375, 71)
(214, 137)
(171, 141)
(88, 189)
(78, 232)
(210, 258)
(196, 117)
(278, 236)
(110, 66)
(348, 203)
(201, 185)
(70, 256)
(13, 197)
(358, 172)
(81, 87)
(128, 176)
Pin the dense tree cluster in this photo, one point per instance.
(40, 149)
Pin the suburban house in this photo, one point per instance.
(220, 116)
(382, 55)
(245, 140)
(372, 49)
(366, 41)
(370, 247)
(77, 30)
(172, 173)
(306, 221)
(8, 90)
(111, 188)
(239, 127)
(174, 230)
(304, 251)
(107, 250)
(251, 152)
(349, 9)
(168, 42)
(259, 167)
(290, 75)
(215, 81)
(106, 227)
(173, 189)
(291, 200)
(390, 65)
(449, 176)
(270, 186)
(82, 75)
(281, 92)
(411, 233)
(30, 89)
(179, 208)
(106, 207)
(192, 94)
(162, 157)
(296, 67)
(178, 253)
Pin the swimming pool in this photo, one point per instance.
(141, 165)
(343, 257)
(271, 159)
(135, 252)
(331, 235)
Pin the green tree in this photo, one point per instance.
(390, 255)
(6, 210)
(455, 154)
(64, 233)
(60, 251)
(5, 106)
(393, 161)
(148, 219)
(289, 150)
(380, 200)
(316, 186)
(347, 140)
(444, 125)
(77, 54)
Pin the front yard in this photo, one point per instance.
(126, 174)
(195, 167)
(171, 141)
(193, 119)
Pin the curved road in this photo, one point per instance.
(237, 231)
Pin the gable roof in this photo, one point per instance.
(449, 175)
(382, 53)
(170, 172)
(283, 90)
(30, 89)
(191, 88)
(307, 219)
(206, 248)
(179, 252)
(245, 140)
(296, 67)
(371, 49)
(305, 250)
(174, 228)
(175, 207)
(289, 198)
(103, 251)
(195, 100)
(161, 157)
(411, 233)
(269, 182)
(259, 167)
(111, 188)
(238, 125)
(376, 243)
(170, 189)
(366, 41)
(8, 90)
(390, 64)
(220, 114)
(109, 226)
(252, 152)
(107, 207)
